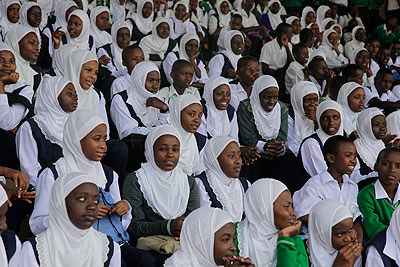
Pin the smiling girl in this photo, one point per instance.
(9, 10)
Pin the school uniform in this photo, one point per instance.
(238, 94)
(349, 118)
(354, 44)
(274, 55)
(333, 60)
(249, 20)
(344, 20)
(169, 94)
(120, 84)
(320, 87)
(294, 73)
(371, 92)
(179, 27)
(5, 24)
(271, 20)
(101, 38)
(140, 26)
(218, 19)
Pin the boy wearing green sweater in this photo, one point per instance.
(378, 201)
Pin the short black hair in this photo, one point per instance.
(390, 17)
(296, 48)
(236, 15)
(243, 61)
(127, 49)
(282, 28)
(351, 70)
(306, 35)
(383, 71)
(331, 145)
(180, 63)
(386, 150)
(334, 86)
(372, 38)
(314, 62)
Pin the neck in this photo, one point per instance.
(335, 174)
(247, 88)
(178, 89)
(390, 190)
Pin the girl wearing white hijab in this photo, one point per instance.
(384, 249)
(65, 243)
(160, 195)
(84, 40)
(301, 124)
(23, 17)
(219, 20)
(6, 22)
(327, 24)
(330, 43)
(321, 15)
(141, 25)
(274, 18)
(305, 21)
(324, 242)
(178, 26)
(223, 64)
(39, 139)
(117, 10)
(155, 46)
(217, 187)
(368, 145)
(296, 36)
(358, 39)
(262, 234)
(101, 37)
(393, 125)
(355, 93)
(361, 58)
(60, 58)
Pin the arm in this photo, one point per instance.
(167, 65)
(194, 198)
(109, 66)
(116, 196)
(203, 73)
(311, 155)
(375, 102)
(247, 129)
(204, 198)
(212, 25)
(215, 66)
(291, 252)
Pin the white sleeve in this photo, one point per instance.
(116, 196)
(109, 66)
(234, 128)
(212, 24)
(27, 152)
(173, 35)
(204, 20)
(290, 79)
(14, 261)
(103, 113)
(93, 49)
(116, 258)
(167, 65)
(204, 75)
(373, 258)
(39, 220)
(204, 198)
(28, 258)
(311, 155)
(265, 57)
(369, 94)
(305, 198)
(291, 144)
(215, 66)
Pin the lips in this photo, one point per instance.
(391, 177)
(90, 217)
(224, 103)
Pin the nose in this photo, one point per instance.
(348, 237)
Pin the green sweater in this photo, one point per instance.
(145, 222)
(248, 133)
(377, 212)
(292, 3)
(375, 4)
(387, 38)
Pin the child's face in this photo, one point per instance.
(225, 9)
(82, 205)
(346, 158)
(328, 14)
(383, 82)
(237, 44)
(296, 27)
(262, 2)
(383, 57)
(388, 168)
(310, 102)
(248, 73)
(275, 8)
(68, 99)
(269, 98)
(74, 26)
(223, 243)
(330, 121)
(123, 37)
(163, 30)
(191, 117)
(373, 48)
(320, 70)
(248, 4)
(362, 59)
(69, 11)
(329, 25)
(356, 100)
(152, 83)
(94, 143)
(166, 152)
(183, 77)
(88, 74)
(222, 97)
(29, 47)
(315, 29)
(379, 126)
(360, 35)
(34, 16)
(332, 38)
(343, 233)
(13, 13)
(193, 4)
(353, 10)
(338, 31)
(180, 12)
(3, 218)
(284, 214)
(357, 77)
(102, 21)
(236, 24)
(392, 23)
(310, 17)
(7, 63)
(302, 56)
(192, 47)
(147, 10)
(133, 57)
(230, 160)
(395, 51)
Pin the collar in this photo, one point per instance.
(380, 193)
(239, 89)
(326, 177)
(173, 92)
(298, 64)
(385, 29)
(321, 89)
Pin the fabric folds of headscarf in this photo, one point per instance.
(3, 255)
(184, 40)
(154, 44)
(6, 25)
(233, 58)
(166, 192)
(144, 25)
(179, 27)
(116, 50)
(324, 106)
(61, 10)
(9, 88)
(325, 22)
(306, 10)
(100, 37)
(393, 123)
(23, 17)
(189, 154)
(368, 147)
(117, 10)
(274, 19)
(61, 56)
(81, 41)
(229, 191)
(321, 15)
(323, 216)
(197, 238)
(64, 244)
(224, 19)
(325, 36)
(267, 123)
(355, 53)
(349, 118)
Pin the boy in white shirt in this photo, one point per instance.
(295, 72)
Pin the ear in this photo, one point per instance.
(376, 166)
(330, 158)
(172, 74)
(123, 63)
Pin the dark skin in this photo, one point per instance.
(230, 160)
(248, 74)
(13, 13)
(102, 21)
(7, 70)
(123, 37)
(373, 48)
(362, 60)
(225, 9)
(330, 121)
(343, 162)
(147, 10)
(3, 218)
(321, 73)
(182, 78)
(285, 216)
(191, 117)
(383, 83)
(88, 75)
(379, 129)
(383, 57)
(357, 77)
(310, 104)
(68, 98)
(247, 6)
(29, 47)
(193, 52)
(388, 168)
(163, 30)
(34, 16)
(237, 46)
(222, 97)
(152, 85)
(132, 58)
(283, 40)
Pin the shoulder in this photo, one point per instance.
(245, 105)
(284, 108)
(132, 179)
(367, 191)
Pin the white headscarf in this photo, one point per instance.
(154, 44)
(229, 190)
(9, 88)
(61, 56)
(267, 123)
(117, 10)
(306, 10)
(325, 36)
(317, 53)
(321, 15)
(166, 192)
(217, 120)
(189, 155)
(304, 127)
(78, 125)
(224, 19)
(349, 118)
(323, 216)
(197, 238)
(325, 22)
(50, 117)
(144, 25)
(368, 147)
(24, 69)
(233, 58)
(353, 55)
(392, 247)
(61, 10)
(179, 28)
(82, 41)
(138, 94)
(23, 17)
(324, 106)
(274, 19)
(393, 123)
(116, 50)
(257, 233)
(88, 98)
(6, 25)
(101, 38)
(3, 255)
(64, 244)
(184, 40)
(354, 32)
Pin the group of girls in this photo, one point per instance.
(139, 134)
